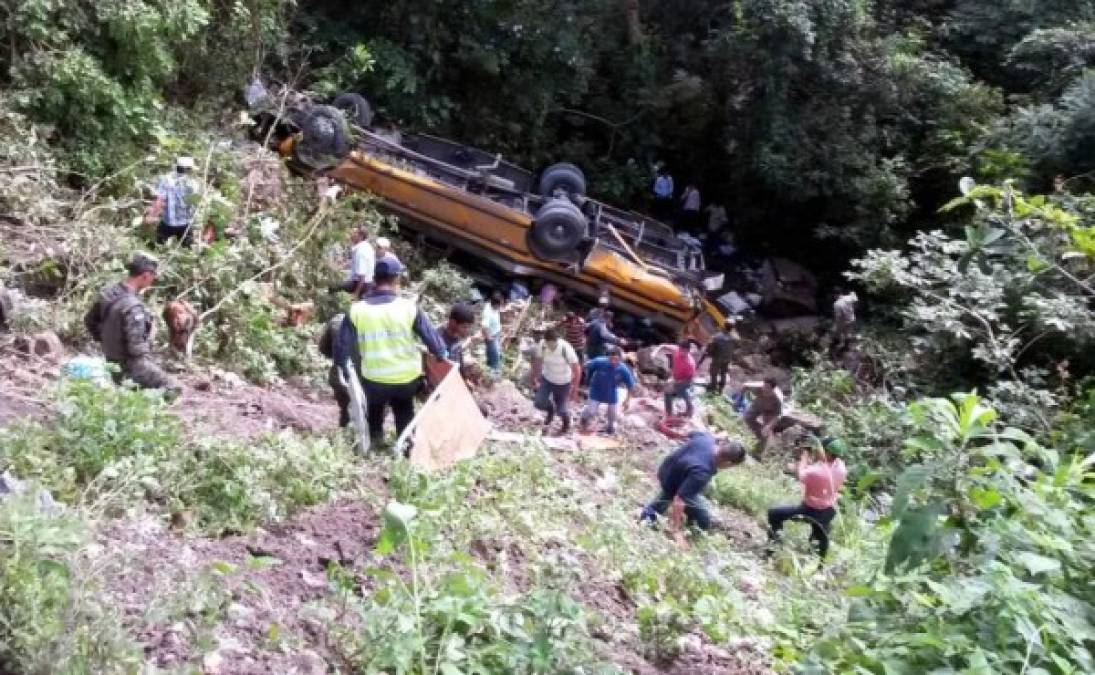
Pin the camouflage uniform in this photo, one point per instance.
(120, 321)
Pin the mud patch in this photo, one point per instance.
(245, 604)
(237, 409)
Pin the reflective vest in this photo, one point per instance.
(386, 341)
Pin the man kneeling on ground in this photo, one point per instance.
(555, 376)
(684, 475)
(821, 481)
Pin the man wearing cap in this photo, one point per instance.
(173, 210)
(121, 322)
(382, 330)
(684, 475)
(720, 350)
(821, 482)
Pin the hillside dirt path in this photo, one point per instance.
(261, 603)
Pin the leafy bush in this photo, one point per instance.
(753, 491)
(233, 486)
(989, 566)
(448, 618)
(975, 307)
(104, 442)
(52, 621)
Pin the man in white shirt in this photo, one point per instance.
(173, 209)
(843, 318)
(362, 262)
(556, 372)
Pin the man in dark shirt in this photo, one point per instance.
(327, 348)
(380, 335)
(455, 331)
(599, 337)
(573, 328)
(720, 349)
(685, 474)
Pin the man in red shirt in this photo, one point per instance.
(682, 368)
(821, 482)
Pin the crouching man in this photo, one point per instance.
(821, 482)
(120, 321)
(684, 475)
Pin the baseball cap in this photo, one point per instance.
(383, 242)
(184, 162)
(141, 263)
(387, 268)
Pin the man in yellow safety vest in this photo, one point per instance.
(385, 329)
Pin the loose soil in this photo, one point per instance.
(172, 589)
(254, 603)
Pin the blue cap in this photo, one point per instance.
(387, 268)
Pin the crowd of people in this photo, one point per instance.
(379, 341)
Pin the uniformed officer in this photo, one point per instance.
(121, 322)
(385, 330)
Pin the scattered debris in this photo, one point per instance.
(12, 486)
(435, 441)
(45, 345)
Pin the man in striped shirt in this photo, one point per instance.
(573, 328)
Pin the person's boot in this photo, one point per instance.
(566, 425)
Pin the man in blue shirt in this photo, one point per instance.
(606, 374)
(685, 474)
(663, 193)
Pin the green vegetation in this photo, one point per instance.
(964, 539)
(53, 621)
(112, 447)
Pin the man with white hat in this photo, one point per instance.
(384, 249)
(173, 210)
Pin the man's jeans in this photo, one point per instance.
(695, 511)
(494, 355)
(819, 520)
(552, 399)
(589, 413)
(679, 390)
